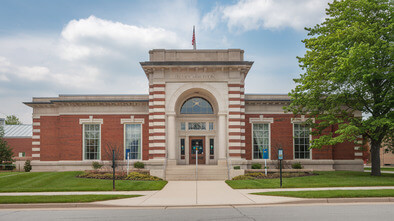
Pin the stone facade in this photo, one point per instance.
(176, 77)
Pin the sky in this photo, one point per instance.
(57, 47)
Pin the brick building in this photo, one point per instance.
(196, 103)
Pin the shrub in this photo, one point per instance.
(296, 165)
(96, 165)
(139, 165)
(100, 175)
(256, 166)
(243, 177)
(9, 166)
(27, 166)
(141, 176)
(237, 167)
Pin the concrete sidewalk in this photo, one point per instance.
(202, 193)
(197, 193)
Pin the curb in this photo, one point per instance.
(97, 205)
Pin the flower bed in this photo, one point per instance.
(261, 175)
(106, 175)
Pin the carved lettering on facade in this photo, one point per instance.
(194, 76)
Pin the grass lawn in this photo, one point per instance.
(332, 193)
(60, 199)
(382, 169)
(67, 181)
(323, 179)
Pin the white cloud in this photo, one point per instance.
(269, 14)
(95, 37)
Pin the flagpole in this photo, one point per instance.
(194, 38)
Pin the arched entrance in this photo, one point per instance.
(196, 120)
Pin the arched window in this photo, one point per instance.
(196, 105)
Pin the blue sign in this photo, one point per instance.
(280, 154)
(265, 154)
(127, 154)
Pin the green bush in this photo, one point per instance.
(139, 165)
(96, 165)
(8, 166)
(296, 165)
(243, 177)
(141, 176)
(237, 167)
(27, 166)
(256, 166)
(103, 176)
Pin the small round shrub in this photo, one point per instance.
(27, 166)
(256, 166)
(96, 165)
(139, 165)
(296, 166)
(237, 167)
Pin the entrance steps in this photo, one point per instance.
(188, 172)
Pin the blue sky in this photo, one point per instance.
(95, 46)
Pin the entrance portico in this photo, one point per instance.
(211, 78)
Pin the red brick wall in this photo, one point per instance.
(20, 145)
(61, 136)
(282, 136)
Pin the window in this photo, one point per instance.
(260, 139)
(301, 142)
(210, 125)
(211, 149)
(133, 141)
(196, 105)
(182, 148)
(22, 154)
(197, 125)
(183, 126)
(91, 141)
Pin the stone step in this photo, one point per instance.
(188, 172)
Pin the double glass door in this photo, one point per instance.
(197, 147)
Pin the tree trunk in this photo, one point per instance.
(375, 157)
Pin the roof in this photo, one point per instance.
(22, 130)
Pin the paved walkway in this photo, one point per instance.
(200, 193)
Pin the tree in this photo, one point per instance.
(5, 150)
(12, 120)
(348, 69)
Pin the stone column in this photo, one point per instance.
(171, 131)
(222, 131)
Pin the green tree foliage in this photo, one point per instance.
(5, 150)
(12, 120)
(348, 70)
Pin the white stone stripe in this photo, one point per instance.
(35, 149)
(235, 102)
(158, 102)
(234, 144)
(234, 95)
(36, 130)
(236, 123)
(234, 130)
(158, 144)
(234, 109)
(35, 137)
(236, 116)
(357, 148)
(36, 123)
(159, 96)
(35, 155)
(35, 143)
(157, 151)
(235, 137)
(358, 154)
(234, 89)
(235, 151)
(159, 110)
(159, 89)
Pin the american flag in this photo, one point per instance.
(194, 39)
